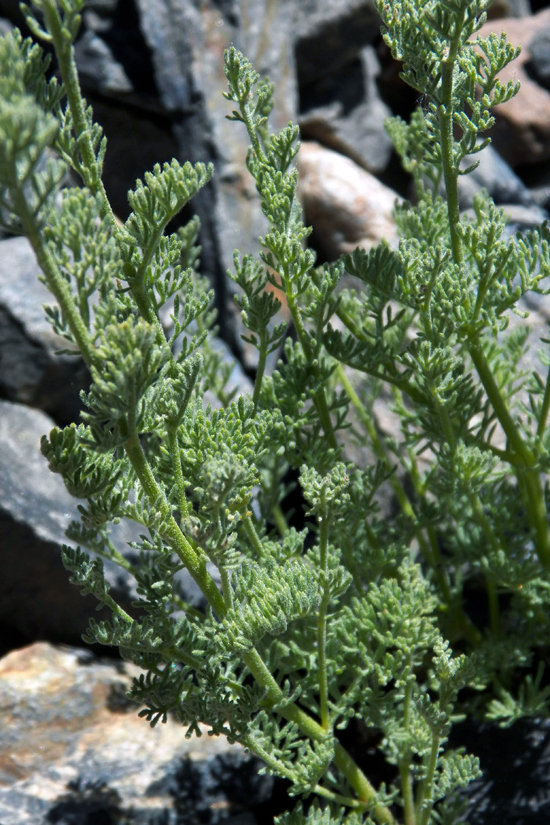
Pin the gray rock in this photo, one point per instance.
(509, 8)
(37, 600)
(344, 112)
(539, 51)
(30, 370)
(73, 750)
(494, 175)
(330, 34)
(98, 68)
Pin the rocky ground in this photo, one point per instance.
(71, 749)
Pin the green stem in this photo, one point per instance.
(406, 790)
(175, 456)
(226, 587)
(67, 66)
(319, 399)
(404, 765)
(322, 617)
(54, 279)
(261, 368)
(423, 814)
(280, 520)
(317, 733)
(173, 534)
(529, 478)
(545, 408)
(450, 174)
(253, 536)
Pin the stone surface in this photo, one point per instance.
(37, 600)
(539, 53)
(522, 130)
(344, 112)
(330, 34)
(30, 371)
(73, 751)
(346, 205)
(509, 8)
(494, 175)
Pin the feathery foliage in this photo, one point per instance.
(351, 620)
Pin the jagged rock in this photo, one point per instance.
(522, 130)
(30, 370)
(98, 68)
(73, 750)
(494, 175)
(539, 52)
(509, 8)
(344, 112)
(330, 34)
(37, 600)
(346, 205)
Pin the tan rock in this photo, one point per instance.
(345, 204)
(522, 130)
(71, 740)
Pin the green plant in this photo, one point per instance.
(301, 637)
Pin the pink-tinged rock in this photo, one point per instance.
(345, 204)
(522, 130)
(71, 742)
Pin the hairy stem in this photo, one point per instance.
(172, 533)
(67, 66)
(322, 617)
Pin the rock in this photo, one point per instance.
(494, 175)
(37, 600)
(523, 218)
(344, 112)
(330, 34)
(509, 8)
(73, 750)
(522, 130)
(98, 69)
(539, 51)
(346, 205)
(30, 370)
(521, 751)
(186, 43)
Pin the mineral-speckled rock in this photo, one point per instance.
(30, 370)
(73, 750)
(346, 205)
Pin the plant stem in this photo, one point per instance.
(173, 447)
(445, 115)
(280, 520)
(226, 587)
(404, 764)
(315, 731)
(54, 279)
(67, 66)
(253, 536)
(423, 814)
(545, 408)
(322, 617)
(173, 534)
(529, 478)
(319, 399)
(261, 368)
